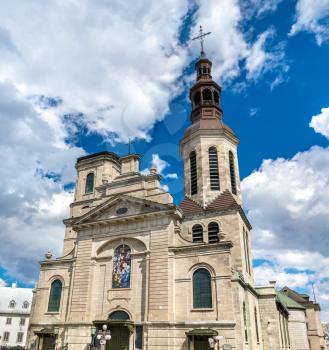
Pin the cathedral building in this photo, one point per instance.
(162, 276)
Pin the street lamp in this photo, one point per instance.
(56, 332)
(92, 333)
(103, 336)
(215, 340)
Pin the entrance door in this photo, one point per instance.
(119, 338)
(47, 343)
(201, 342)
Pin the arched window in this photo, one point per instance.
(197, 234)
(55, 296)
(213, 231)
(26, 304)
(12, 304)
(90, 183)
(194, 173)
(197, 98)
(216, 97)
(202, 289)
(206, 95)
(119, 315)
(232, 172)
(213, 169)
(204, 70)
(121, 267)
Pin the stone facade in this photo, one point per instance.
(135, 261)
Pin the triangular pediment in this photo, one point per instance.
(122, 206)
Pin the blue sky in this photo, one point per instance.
(83, 78)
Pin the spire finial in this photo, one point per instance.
(201, 37)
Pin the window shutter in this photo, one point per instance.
(213, 169)
(197, 234)
(213, 230)
(232, 172)
(194, 173)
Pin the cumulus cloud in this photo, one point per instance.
(259, 7)
(320, 122)
(34, 167)
(115, 64)
(2, 283)
(288, 203)
(229, 48)
(312, 16)
(160, 165)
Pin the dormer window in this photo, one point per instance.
(25, 304)
(90, 183)
(12, 304)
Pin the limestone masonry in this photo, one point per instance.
(162, 276)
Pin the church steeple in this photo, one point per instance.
(209, 147)
(205, 93)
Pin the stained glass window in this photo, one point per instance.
(90, 183)
(55, 296)
(202, 289)
(121, 267)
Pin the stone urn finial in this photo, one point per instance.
(48, 255)
(153, 170)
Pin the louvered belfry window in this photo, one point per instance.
(194, 173)
(213, 230)
(232, 172)
(197, 234)
(213, 169)
(55, 296)
(202, 289)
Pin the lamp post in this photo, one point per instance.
(92, 333)
(56, 331)
(103, 336)
(215, 340)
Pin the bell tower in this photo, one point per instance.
(209, 147)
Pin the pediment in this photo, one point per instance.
(122, 206)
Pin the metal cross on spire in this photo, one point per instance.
(201, 37)
(130, 142)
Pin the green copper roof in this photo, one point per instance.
(288, 302)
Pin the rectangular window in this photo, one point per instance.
(8, 320)
(6, 336)
(22, 321)
(139, 337)
(20, 336)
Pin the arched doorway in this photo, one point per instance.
(120, 332)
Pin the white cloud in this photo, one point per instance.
(311, 17)
(288, 204)
(35, 165)
(115, 63)
(2, 283)
(260, 61)
(160, 165)
(259, 7)
(228, 45)
(267, 272)
(320, 122)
